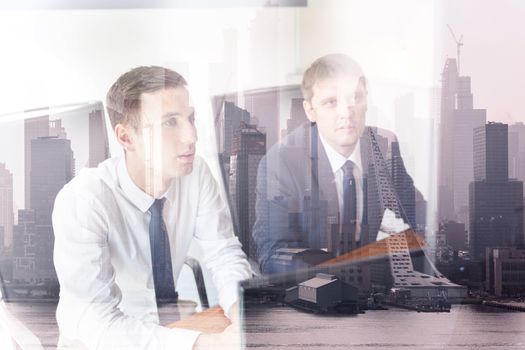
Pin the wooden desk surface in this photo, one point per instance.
(211, 320)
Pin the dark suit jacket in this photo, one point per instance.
(297, 204)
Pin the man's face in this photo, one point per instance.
(338, 106)
(166, 140)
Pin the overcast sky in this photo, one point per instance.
(493, 53)
(57, 57)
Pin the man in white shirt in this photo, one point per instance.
(315, 188)
(123, 230)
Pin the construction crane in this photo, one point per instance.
(459, 43)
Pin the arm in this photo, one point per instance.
(89, 297)
(274, 227)
(222, 252)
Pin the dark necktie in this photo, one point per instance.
(160, 255)
(349, 207)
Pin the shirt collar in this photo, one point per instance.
(337, 160)
(139, 198)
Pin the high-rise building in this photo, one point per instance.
(491, 161)
(496, 215)
(264, 105)
(33, 128)
(6, 206)
(2, 239)
(24, 245)
(505, 271)
(248, 148)
(455, 234)
(56, 129)
(98, 145)
(449, 81)
(403, 185)
(233, 118)
(52, 166)
(458, 119)
(517, 151)
(466, 119)
(421, 213)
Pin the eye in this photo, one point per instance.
(172, 121)
(332, 102)
(191, 118)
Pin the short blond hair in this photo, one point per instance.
(329, 66)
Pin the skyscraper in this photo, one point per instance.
(449, 78)
(24, 247)
(466, 119)
(458, 120)
(52, 166)
(6, 205)
(98, 146)
(517, 151)
(491, 161)
(496, 215)
(403, 185)
(249, 147)
(33, 128)
(233, 117)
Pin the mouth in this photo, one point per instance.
(347, 128)
(186, 158)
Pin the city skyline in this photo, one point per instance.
(432, 216)
(20, 132)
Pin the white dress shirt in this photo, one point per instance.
(103, 260)
(337, 161)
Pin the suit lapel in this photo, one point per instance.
(326, 179)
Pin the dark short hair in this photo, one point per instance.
(329, 66)
(123, 98)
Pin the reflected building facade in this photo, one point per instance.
(248, 148)
(33, 129)
(6, 207)
(496, 202)
(52, 166)
(24, 247)
(98, 147)
(458, 119)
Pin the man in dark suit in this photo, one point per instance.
(327, 186)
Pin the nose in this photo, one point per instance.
(188, 134)
(345, 106)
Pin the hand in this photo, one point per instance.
(229, 339)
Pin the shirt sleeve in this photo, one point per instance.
(88, 310)
(222, 251)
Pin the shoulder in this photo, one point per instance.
(299, 137)
(383, 133)
(93, 184)
(294, 146)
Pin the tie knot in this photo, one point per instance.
(156, 207)
(348, 169)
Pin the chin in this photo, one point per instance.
(349, 142)
(184, 170)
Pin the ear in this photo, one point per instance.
(125, 136)
(310, 112)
